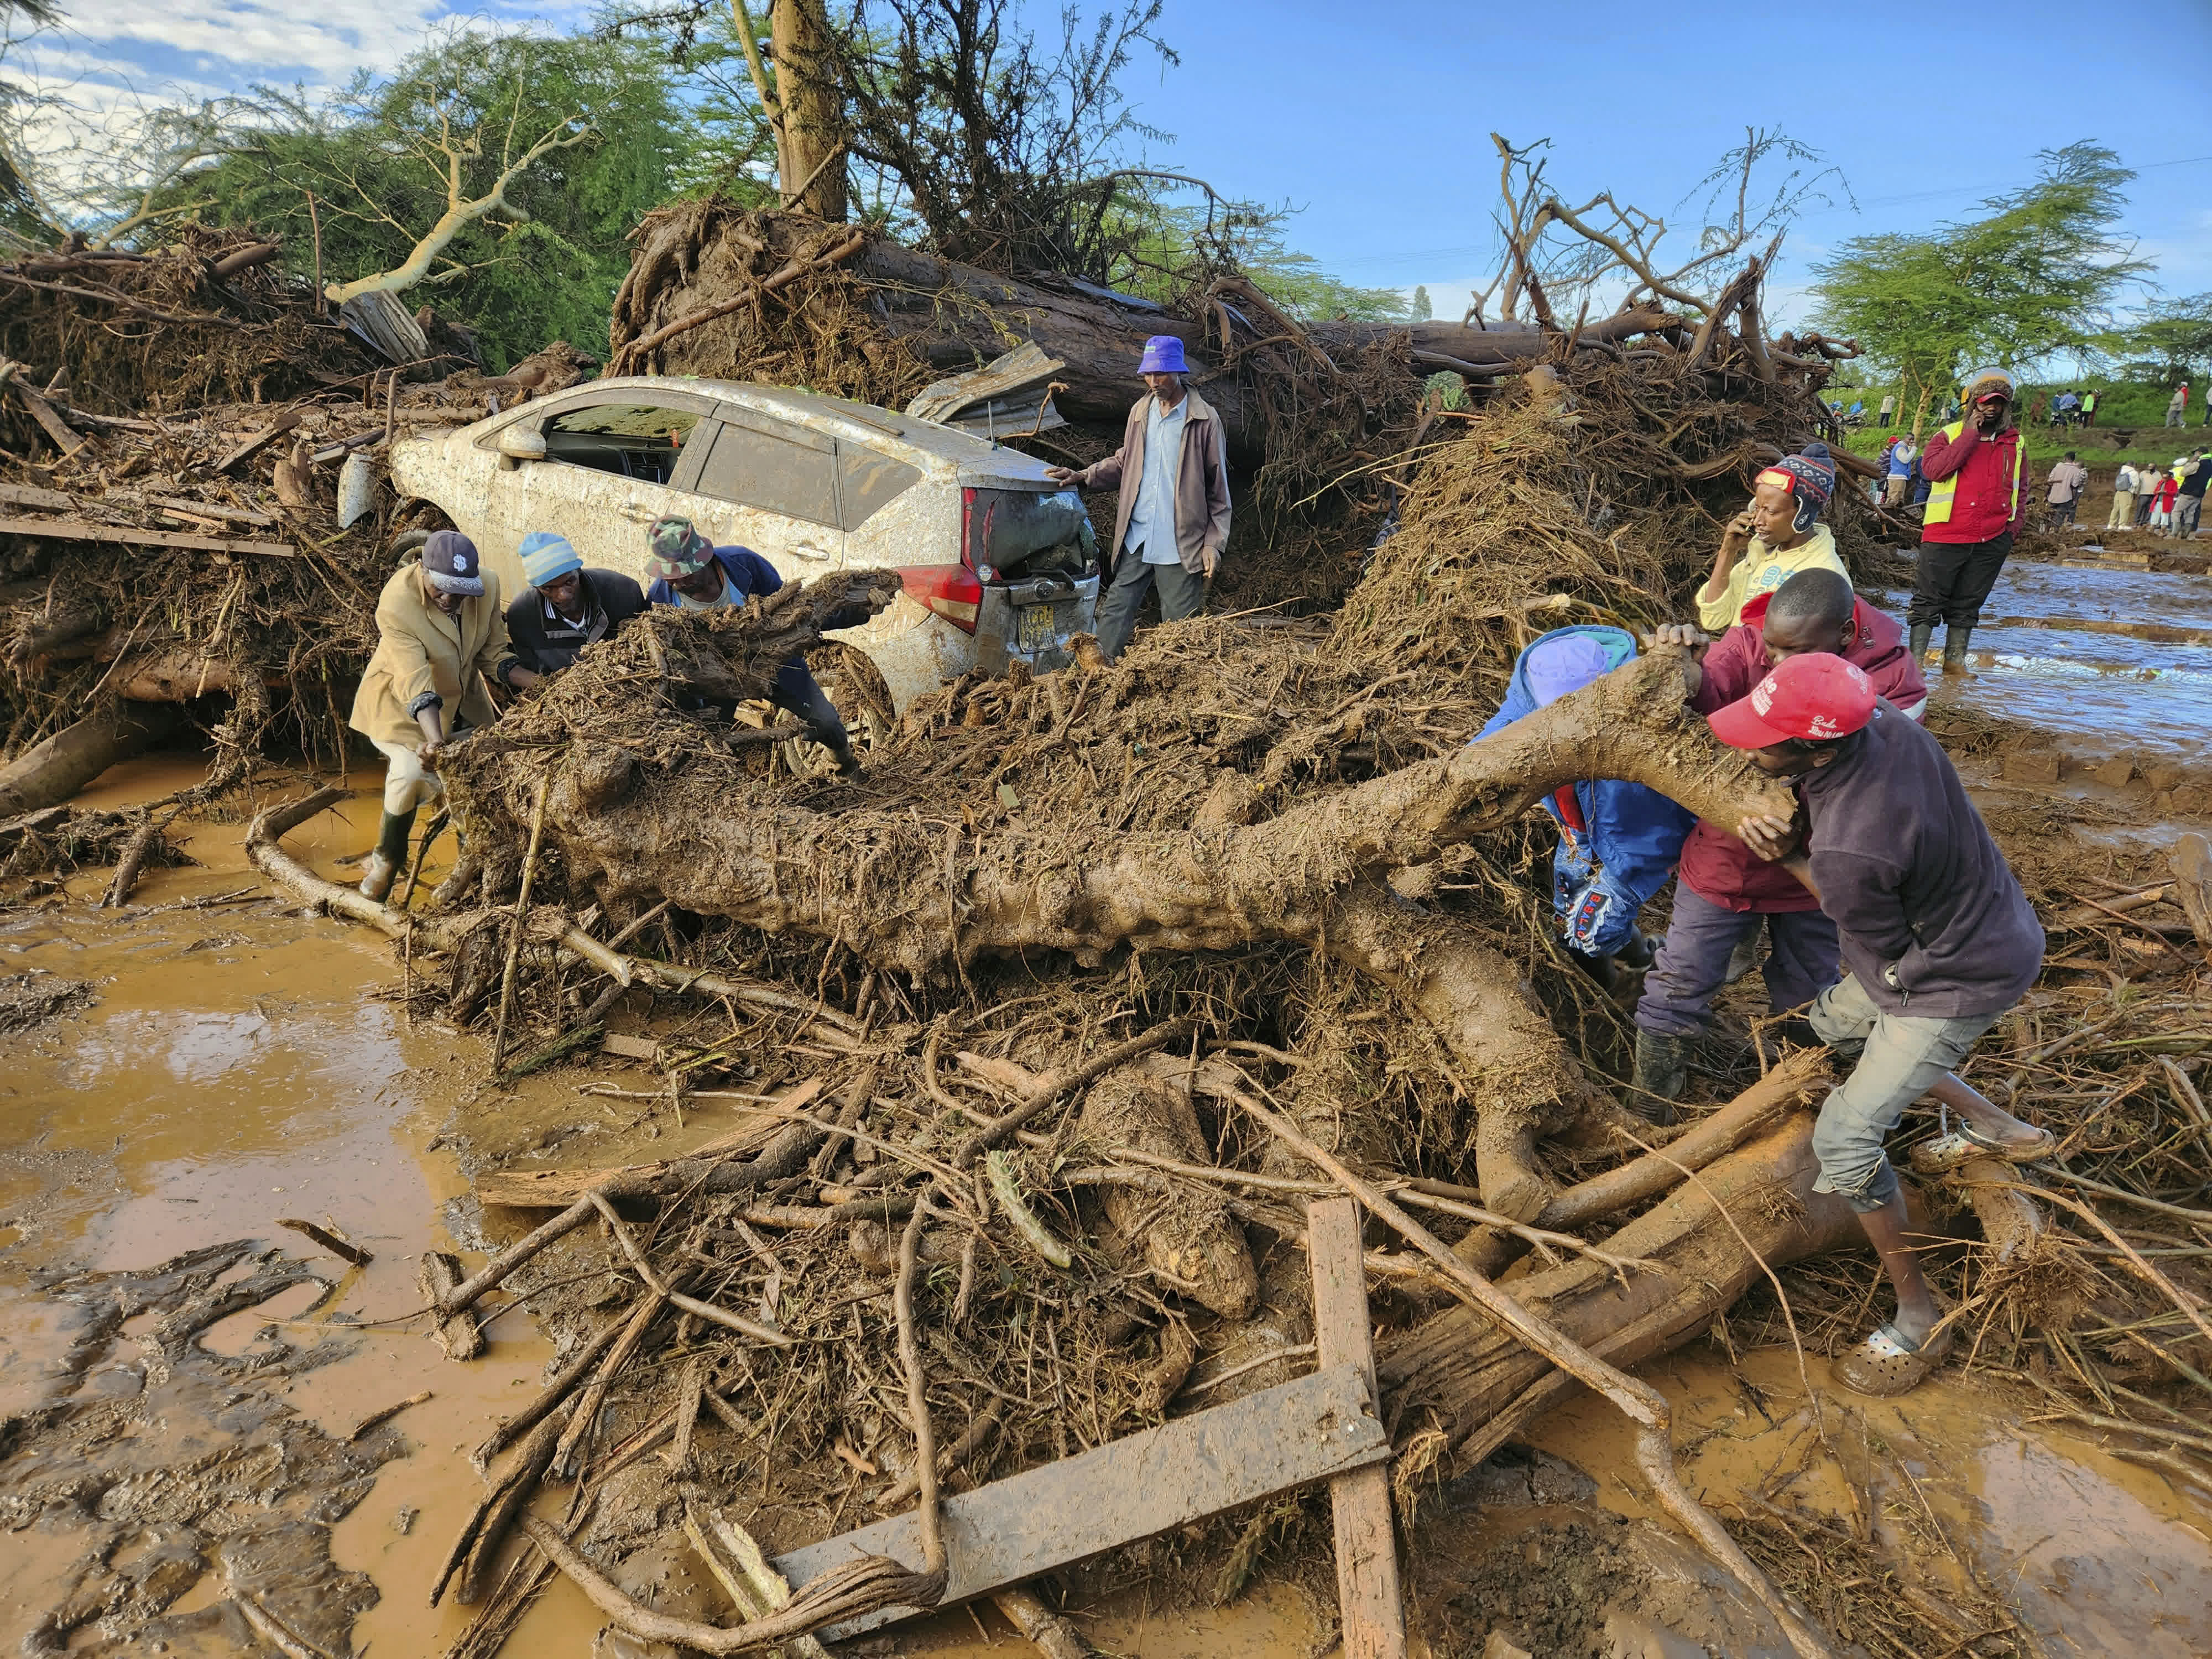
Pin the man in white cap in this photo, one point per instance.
(440, 637)
(1172, 519)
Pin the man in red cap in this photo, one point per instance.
(1173, 517)
(1726, 896)
(1938, 941)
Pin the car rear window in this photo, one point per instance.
(1007, 528)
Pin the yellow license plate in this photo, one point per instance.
(1035, 628)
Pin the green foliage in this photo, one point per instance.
(2169, 344)
(1422, 310)
(2033, 276)
(377, 157)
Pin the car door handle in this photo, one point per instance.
(808, 550)
(640, 512)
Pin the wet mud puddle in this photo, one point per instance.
(2120, 658)
(177, 1378)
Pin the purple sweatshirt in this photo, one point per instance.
(1909, 874)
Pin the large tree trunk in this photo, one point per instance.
(953, 317)
(53, 771)
(904, 894)
(1466, 1369)
(813, 169)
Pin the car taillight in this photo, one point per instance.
(950, 590)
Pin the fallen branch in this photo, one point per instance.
(859, 1587)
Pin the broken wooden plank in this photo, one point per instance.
(210, 510)
(79, 530)
(30, 495)
(756, 1589)
(1043, 1519)
(1369, 1602)
(285, 423)
(456, 1333)
(344, 1249)
(66, 438)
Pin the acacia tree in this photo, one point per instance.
(2035, 275)
(502, 171)
(2168, 342)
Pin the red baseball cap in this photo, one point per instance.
(1816, 696)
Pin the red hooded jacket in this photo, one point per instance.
(1715, 865)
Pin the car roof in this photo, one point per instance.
(907, 436)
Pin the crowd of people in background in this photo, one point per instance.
(2166, 500)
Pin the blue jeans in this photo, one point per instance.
(1694, 959)
(1897, 1060)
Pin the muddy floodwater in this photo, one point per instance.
(2105, 660)
(231, 1063)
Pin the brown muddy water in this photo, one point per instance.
(238, 1063)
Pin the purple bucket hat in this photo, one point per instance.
(1163, 356)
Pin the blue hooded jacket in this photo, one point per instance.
(1602, 878)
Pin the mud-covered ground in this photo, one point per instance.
(180, 1376)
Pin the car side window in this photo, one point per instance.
(636, 440)
(756, 464)
(870, 481)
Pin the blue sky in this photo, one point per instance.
(1374, 121)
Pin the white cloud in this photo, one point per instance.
(251, 40)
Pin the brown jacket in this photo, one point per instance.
(1201, 485)
(421, 649)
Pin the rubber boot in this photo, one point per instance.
(1955, 650)
(380, 868)
(1923, 635)
(1662, 1072)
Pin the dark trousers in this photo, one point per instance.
(798, 691)
(1803, 958)
(1953, 579)
(1182, 595)
(2062, 513)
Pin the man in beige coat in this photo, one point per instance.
(440, 633)
(1172, 519)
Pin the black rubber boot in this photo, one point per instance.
(1923, 635)
(381, 867)
(1662, 1072)
(1955, 650)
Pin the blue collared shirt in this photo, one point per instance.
(1152, 525)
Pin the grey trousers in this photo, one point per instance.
(1182, 593)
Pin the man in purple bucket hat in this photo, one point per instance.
(1172, 519)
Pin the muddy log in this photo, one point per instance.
(919, 897)
(50, 772)
(916, 317)
(1468, 1369)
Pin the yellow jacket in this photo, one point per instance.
(1762, 569)
(420, 649)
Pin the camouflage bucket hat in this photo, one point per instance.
(678, 549)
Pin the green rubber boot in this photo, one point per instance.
(382, 868)
(1662, 1072)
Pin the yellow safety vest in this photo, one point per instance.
(1941, 493)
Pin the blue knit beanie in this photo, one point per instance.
(547, 557)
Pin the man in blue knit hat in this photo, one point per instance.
(1172, 519)
(566, 606)
(1617, 842)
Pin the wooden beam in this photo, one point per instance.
(79, 530)
(1043, 1519)
(1368, 1597)
(285, 423)
(29, 495)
